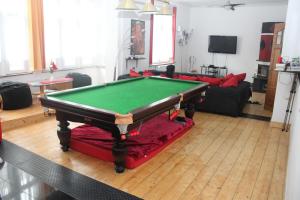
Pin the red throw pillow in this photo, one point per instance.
(229, 76)
(189, 78)
(241, 77)
(232, 82)
(211, 81)
(147, 73)
(133, 73)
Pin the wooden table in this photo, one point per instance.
(54, 84)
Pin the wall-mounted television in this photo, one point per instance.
(222, 44)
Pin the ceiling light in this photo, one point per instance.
(165, 1)
(127, 5)
(165, 10)
(149, 8)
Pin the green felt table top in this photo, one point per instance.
(126, 96)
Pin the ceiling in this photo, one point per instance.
(206, 3)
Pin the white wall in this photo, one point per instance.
(183, 20)
(291, 48)
(124, 41)
(183, 17)
(245, 22)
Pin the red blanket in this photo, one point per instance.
(154, 133)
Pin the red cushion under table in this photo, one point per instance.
(156, 134)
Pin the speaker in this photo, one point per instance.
(15, 95)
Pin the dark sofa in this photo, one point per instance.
(228, 101)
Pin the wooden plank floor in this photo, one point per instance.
(257, 109)
(220, 158)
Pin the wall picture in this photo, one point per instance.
(137, 37)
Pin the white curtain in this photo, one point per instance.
(162, 51)
(14, 45)
(75, 32)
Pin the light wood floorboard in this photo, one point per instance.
(219, 158)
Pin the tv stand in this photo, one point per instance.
(214, 71)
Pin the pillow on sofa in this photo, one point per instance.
(241, 77)
(147, 73)
(133, 73)
(210, 80)
(232, 82)
(227, 77)
(189, 78)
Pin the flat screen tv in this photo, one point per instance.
(222, 44)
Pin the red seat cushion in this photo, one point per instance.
(210, 80)
(232, 82)
(189, 78)
(133, 73)
(241, 77)
(147, 73)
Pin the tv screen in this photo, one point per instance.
(222, 44)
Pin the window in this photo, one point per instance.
(14, 45)
(74, 33)
(163, 39)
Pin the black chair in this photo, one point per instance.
(170, 71)
(15, 95)
(80, 80)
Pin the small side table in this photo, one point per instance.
(55, 84)
(47, 86)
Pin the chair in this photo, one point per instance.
(80, 80)
(170, 71)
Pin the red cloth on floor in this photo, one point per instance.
(153, 135)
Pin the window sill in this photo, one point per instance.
(48, 71)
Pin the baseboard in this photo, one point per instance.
(276, 124)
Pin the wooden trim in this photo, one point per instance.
(36, 34)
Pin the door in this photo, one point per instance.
(272, 78)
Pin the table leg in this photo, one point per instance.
(119, 151)
(189, 110)
(64, 135)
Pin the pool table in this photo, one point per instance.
(120, 107)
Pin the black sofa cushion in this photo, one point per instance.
(15, 95)
(80, 80)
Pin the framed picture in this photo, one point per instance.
(137, 46)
